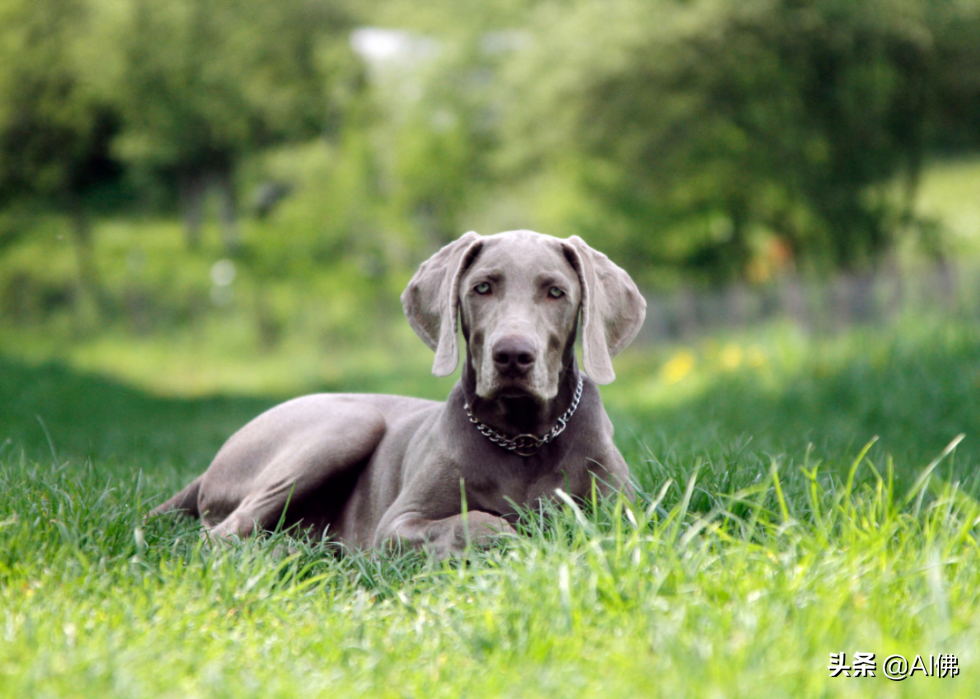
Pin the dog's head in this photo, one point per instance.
(519, 295)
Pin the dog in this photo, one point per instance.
(371, 470)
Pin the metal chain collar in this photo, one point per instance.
(527, 444)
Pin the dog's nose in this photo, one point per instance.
(513, 355)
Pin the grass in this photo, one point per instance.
(914, 386)
(779, 539)
(948, 195)
(672, 606)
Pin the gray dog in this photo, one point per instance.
(521, 422)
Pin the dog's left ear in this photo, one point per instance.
(613, 308)
(431, 300)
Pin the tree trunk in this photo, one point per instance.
(228, 212)
(192, 186)
(90, 302)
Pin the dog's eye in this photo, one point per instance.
(482, 288)
(555, 293)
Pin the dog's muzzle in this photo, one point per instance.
(513, 356)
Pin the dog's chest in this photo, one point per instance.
(522, 488)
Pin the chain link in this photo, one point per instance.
(527, 444)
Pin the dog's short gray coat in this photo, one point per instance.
(374, 469)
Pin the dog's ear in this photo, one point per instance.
(431, 300)
(612, 309)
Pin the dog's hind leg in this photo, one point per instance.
(304, 478)
(184, 502)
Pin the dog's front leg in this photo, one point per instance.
(446, 536)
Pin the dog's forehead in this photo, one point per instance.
(525, 253)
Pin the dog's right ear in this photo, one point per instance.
(431, 300)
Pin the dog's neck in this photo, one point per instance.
(522, 415)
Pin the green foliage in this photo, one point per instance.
(289, 309)
(709, 140)
(957, 88)
(54, 127)
(207, 80)
(706, 129)
(714, 139)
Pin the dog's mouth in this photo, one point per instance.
(511, 394)
(513, 387)
(495, 385)
(514, 392)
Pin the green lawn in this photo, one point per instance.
(950, 194)
(777, 543)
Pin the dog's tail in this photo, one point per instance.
(184, 502)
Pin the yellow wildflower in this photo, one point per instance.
(731, 356)
(677, 367)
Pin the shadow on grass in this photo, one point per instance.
(88, 416)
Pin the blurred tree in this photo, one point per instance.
(722, 138)
(955, 26)
(438, 104)
(426, 133)
(439, 147)
(703, 129)
(54, 129)
(204, 82)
